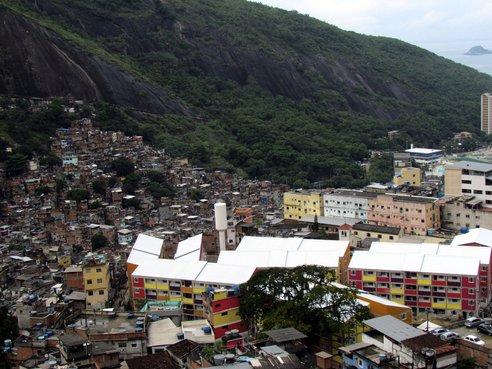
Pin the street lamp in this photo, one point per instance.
(427, 311)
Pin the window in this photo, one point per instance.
(224, 314)
(134, 345)
(391, 237)
(90, 293)
(464, 190)
(98, 270)
(466, 181)
(478, 192)
(99, 280)
(122, 344)
(352, 272)
(101, 292)
(89, 281)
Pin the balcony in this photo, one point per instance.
(150, 285)
(412, 281)
(369, 289)
(454, 295)
(453, 305)
(397, 290)
(424, 293)
(410, 292)
(437, 282)
(187, 301)
(380, 278)
(397, 279)
(398, 300)
(187, 289)
(439, 305)
(382, 290)
(175, 288)
(369, 278)
(162, 286)
(424, 281)
(410, 303)
(198, 290)
(439, 294)
(454, 283)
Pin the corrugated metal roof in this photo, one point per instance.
(393, 328)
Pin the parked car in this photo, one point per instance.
(438, 331)
(485, 328)
(448, 336)
(473, 322)
(474, 339)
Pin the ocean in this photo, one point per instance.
(456, 52)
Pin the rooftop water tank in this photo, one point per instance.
(220, 210)
(219, 359)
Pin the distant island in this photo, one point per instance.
(478, 50)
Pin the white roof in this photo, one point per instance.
(380, 300)
(329, 259)
(340, 247)
(480, 236)
(421, 150)
(148, 244)
(259, 259)
(450, 265)
(188, 246)
(137, 257)
(436, 264)
(225, 274)
(251, 243)
(191, 256)
(404, 248)
(192, 330)
(170, 269)
(483, 253)
(162, 333)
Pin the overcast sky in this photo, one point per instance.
(428, 23)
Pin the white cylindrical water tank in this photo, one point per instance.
(220, 216)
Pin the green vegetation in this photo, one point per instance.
(273, 94)
(123, 167)
(381, 169)
(78, 194)
(99, 241)
(303, 298)
(15, 164)
(100, 186)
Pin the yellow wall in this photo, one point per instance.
(408, 175)
(452, 182)
(64, 261)
(300, 204)
(380, 308)
(230, 316)
(96, 278)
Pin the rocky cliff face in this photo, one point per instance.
(36, 62)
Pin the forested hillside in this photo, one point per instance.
(238, 85)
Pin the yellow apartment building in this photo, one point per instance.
(298, 204)
(408, 176)
(96, 282)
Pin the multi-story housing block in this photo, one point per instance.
(347, 204)
(186, 282)
(408, 176)
(298, 204)
(486, 113)
(447, 279)
(469, 178)
(465, 212)
(414, 214)
(222, 311)
(96, 275)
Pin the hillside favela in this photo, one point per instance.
(235, 184)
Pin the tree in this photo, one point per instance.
(51, 160)
(99, 241)
(15, 165)
(123, 167)
(131, 182)
(381, 169)
(99, 186)
(78, 194)
(304, 298)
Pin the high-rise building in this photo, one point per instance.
(486, 118)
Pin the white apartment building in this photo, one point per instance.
(470, 178)
(347, 204)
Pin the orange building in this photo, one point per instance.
(413, 214)
(486, 116)
(379, 306)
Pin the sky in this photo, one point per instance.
(432, 24)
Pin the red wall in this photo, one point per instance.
(225, 304)
(220, 331)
